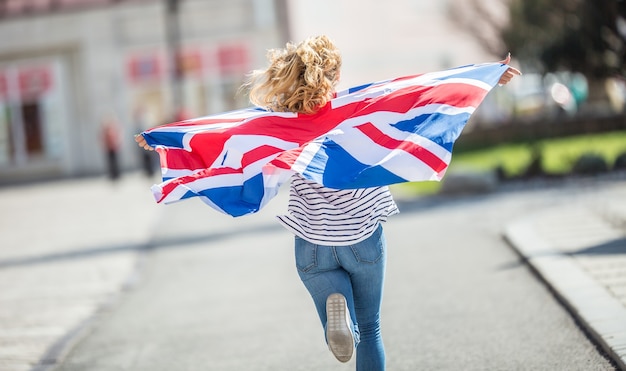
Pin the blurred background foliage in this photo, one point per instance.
(574, 50)
(584, 36)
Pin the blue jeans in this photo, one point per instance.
(356, 271)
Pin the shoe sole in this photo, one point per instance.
(338, 331)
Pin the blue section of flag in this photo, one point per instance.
(440, 128)
(169, 139)
(358, 88)
(335, 167)
(490, 75)
(237, 200)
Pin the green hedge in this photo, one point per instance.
(557, 157)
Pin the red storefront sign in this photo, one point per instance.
(33, 82)
(233, 59)
(145, 68)
(4, 86)
(152, 67)
(189, 63)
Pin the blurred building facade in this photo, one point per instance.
(385, 39)
(66, 66)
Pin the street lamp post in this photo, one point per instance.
(172, 29)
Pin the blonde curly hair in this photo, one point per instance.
(300, 78)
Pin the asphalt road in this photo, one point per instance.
(217, 293)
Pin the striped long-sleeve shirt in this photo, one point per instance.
(333, 217)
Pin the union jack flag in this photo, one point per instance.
(388, 132)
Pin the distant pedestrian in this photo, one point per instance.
(111, 142)
(340, 247)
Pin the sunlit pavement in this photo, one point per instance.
(579, 250)
(68, 249)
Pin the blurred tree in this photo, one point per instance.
(586, 36)
(485, 20)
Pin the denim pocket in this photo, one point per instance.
(306, 255)
(370, 250)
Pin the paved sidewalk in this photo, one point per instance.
(67, 249)
(579, 251)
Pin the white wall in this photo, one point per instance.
(385, 39)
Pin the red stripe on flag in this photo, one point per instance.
(170, 186)
(180, 159)
(421, 153)
(402, 100)
(198, 121)
(286, 159)
(259, 153)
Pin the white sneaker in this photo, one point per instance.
(338, 327)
